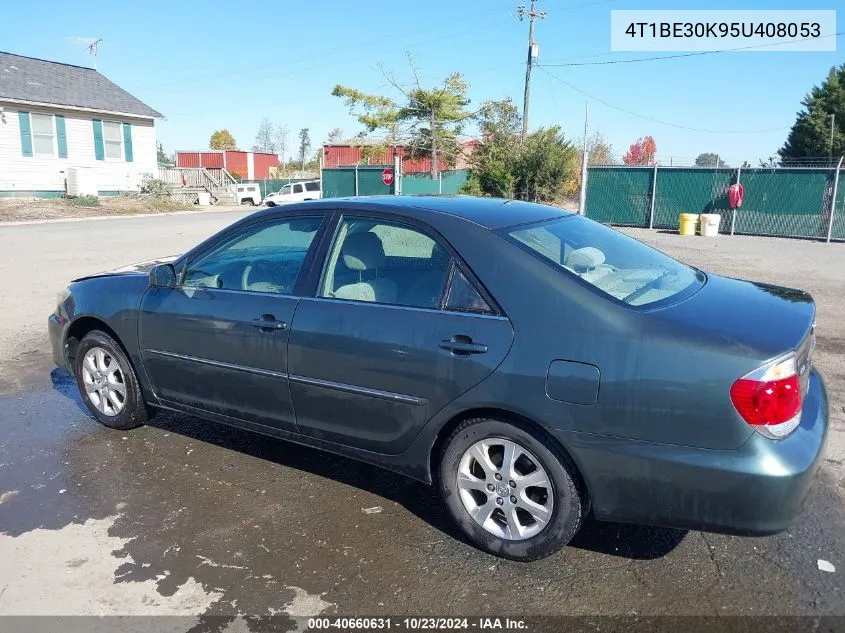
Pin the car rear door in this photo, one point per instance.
(398, 329)
(218, 341)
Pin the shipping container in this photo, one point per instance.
(246, 165)
(351, 155)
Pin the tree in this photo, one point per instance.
(222, 139)
(641, 152)
(162, 157)
(709, 159)
(493, 162)
(536, 170)
(335, 136)
(265, 138)
(304, 145)
(599, 152)
(430, 119)
(544, 165)
(810, 135)
(281, 138)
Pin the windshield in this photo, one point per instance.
(611, 261)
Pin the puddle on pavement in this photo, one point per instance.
(219, 521)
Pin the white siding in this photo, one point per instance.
(43, 173)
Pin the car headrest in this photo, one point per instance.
(363, 251)
(584, 258)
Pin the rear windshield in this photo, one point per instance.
(611, 261)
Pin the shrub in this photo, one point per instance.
(85, 201)
(155, 187)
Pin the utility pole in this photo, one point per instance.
(582, 204)
(532, 14)
(832, 128)
(433, 146)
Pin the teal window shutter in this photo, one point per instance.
(26, 134)
(99, 151)
(127, 142)
(61, 136)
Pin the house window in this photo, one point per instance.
(42, 135)
(112, 140)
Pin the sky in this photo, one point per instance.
(210, 65)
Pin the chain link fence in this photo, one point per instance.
(782, 201)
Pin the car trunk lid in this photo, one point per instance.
(762, 320)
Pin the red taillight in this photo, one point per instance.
(769, 398)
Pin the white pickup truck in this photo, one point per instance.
(294, 192)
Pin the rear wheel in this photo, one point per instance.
(509, 491)
(108, 383)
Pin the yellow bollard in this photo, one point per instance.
(687, 223)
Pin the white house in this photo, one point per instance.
(56, 117)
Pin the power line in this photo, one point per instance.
(681, 55)
(653, 120)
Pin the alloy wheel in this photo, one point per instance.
(104, 381)
(505, 489)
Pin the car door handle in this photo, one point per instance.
(268, 323)
(463, 346)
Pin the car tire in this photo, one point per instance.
(114, 374)
(562, 517)
(271, 204)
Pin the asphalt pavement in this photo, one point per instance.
(186, 517)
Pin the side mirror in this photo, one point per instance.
(163, 276)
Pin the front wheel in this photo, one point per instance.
(108, 383)
(510, 491)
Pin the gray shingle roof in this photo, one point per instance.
(31, 79)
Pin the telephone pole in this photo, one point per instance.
(532, 14)
(832, 129)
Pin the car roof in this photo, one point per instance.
(492, 213)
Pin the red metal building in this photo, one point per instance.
(348, 155)
(247, 165)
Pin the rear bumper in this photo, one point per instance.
(758, 489)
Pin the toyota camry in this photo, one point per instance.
(533, 365)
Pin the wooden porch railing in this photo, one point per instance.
(217, 181)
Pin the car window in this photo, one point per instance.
(264, 258)
(285, 190)
(312, 186)
(384, 262)
(611, 261)
(297, 188)
(464, 297)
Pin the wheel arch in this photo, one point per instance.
(504, 415)
(81, 326)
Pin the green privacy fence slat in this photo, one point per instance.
(781, 202)
(370, 183)
(691, 191)
(785, 202)
(619, 196)
(450, 182)
(340, 182)
(837, 231)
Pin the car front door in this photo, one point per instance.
(217, 342)
(398, 329)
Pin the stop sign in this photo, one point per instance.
(387, 176)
